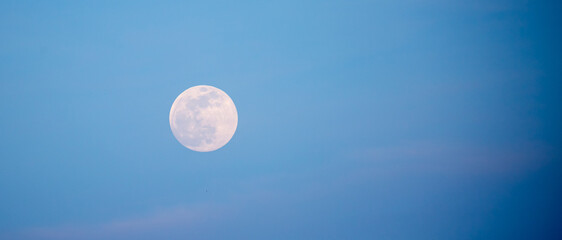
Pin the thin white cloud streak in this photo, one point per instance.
(457, 158)
(178, 219)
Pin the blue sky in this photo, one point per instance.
(357, 120)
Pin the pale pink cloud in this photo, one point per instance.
(176, 219)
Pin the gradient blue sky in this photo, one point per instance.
(357, 120)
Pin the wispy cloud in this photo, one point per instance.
(456, 158)
(176, 219)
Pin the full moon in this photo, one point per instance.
(203, 118)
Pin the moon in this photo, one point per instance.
(203, 118)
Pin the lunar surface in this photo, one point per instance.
(203, 118)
